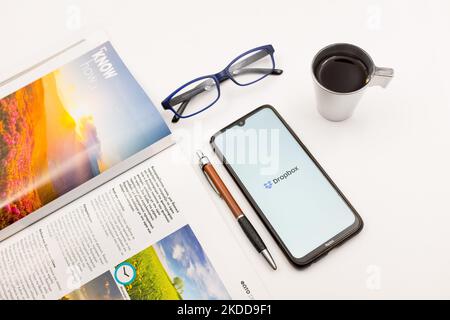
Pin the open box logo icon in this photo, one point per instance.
(268, 185)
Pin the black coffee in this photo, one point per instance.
(342, 73)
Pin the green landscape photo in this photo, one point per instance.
(175, 268)
(152, 282)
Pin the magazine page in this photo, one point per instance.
(150, 233)
(69, 125)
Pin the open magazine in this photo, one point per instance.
(95, 200)
(68, 126)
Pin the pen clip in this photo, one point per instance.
(203, 162)
(211, 183)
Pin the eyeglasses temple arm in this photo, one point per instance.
(180, 111)
(249, 60)
(275, 72)
(188, 95)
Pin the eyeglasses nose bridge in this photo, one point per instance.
(222, 76)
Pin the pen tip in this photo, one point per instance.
(269, 259)
(273, 265)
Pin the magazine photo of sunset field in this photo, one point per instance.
(38, 138)
(22, 150)
(65, 128)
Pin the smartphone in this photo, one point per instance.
(298, 202)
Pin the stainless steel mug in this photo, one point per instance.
(338, 106)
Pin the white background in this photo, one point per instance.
(391, 158)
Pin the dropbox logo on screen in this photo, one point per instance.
(269, 184)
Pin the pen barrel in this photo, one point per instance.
(251, 233)
(223, 191)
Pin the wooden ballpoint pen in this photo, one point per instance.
(220, 188)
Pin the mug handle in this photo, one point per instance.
(382, 77)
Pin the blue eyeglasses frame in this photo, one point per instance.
(219, 78)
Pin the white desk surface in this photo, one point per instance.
(391, 159)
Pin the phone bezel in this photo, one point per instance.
(324, 248)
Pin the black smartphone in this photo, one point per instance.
(298, 202)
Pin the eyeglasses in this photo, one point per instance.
(201, 93)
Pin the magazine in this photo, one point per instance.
(75, 124)
(96, 200)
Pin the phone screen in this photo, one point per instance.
(299, 202)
